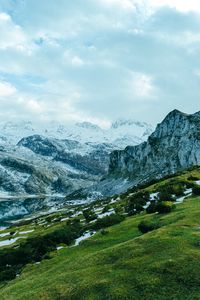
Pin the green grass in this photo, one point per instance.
(123, 264)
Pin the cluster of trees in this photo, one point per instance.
(136, 203)
(35, 249)
(107, 221)
(168, 191)
(89, 215)
(161, 207)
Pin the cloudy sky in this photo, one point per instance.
(98, 60)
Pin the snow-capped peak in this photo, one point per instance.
(128, 122)
(88, 125)
(120, 134)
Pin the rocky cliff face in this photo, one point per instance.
(84, 157)
(174, 145)
(25, 172)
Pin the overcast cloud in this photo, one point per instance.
(98, 60)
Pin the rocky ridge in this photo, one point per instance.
(174, 145)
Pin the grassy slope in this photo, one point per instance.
(122, 264)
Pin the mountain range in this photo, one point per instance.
(54, 161)
(60, 159)
(173, 146)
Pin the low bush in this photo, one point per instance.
(160, 207)
(165, 196)
(172, 188)
(107, 221)
(89, 215)
(193, 178)
(146, 226)
(164, 207)
(152, 208)
(106, 208)
(104, 232)
(196, 190)
(136, 202)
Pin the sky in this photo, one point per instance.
(98, 60)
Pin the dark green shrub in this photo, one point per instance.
(193, 178)
(104, 232)
(89, 215)
(35, 249)
(106, 208)
(178, 190)
(164, 207)
(136, 203)
(152, 208)
(119, 209)
(172, 188)
(107, 221)
(196, 190)
(146, 226)
(160, 207)
(165, 196)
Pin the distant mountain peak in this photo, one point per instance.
(174, 114)
(122, 132)
(88, 125)
(197, 114)
(127, 122)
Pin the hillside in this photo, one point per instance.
(119, 261)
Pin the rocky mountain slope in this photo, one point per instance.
(174, 145)
(24, 172)
(42, 164)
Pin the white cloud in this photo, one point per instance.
(12, 35)
(34, 105)
(180, 5)
(81, 53)
(6, 89)
(124, 4)
(4, 17)
(77, 61)
(141, 85)
(73, 59)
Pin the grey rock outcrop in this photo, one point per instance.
(174, 145)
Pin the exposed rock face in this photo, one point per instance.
(174, 145)
(84, 157)
(25, 172)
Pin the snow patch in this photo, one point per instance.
(85, 236)
(9, 242)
